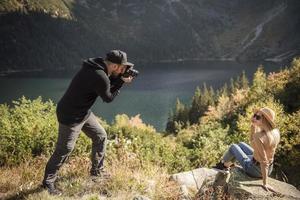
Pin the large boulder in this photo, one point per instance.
(242, 186)
(207, 183)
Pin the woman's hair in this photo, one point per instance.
(273, 134)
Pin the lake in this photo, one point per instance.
(152, 94)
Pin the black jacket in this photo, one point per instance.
(90, 82)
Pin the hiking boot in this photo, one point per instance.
(100, 175)
(221, 168)
(50, 187)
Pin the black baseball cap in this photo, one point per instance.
(118, 57)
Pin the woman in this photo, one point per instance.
(257, 160)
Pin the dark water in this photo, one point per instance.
(152, 94)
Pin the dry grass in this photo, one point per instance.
(129, 178)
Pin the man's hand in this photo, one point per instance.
(268, 188)
(127, 79)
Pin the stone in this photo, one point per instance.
(241, 186)
(194, 179)
(140, 197)
(204, 183)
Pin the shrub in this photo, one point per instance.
(208, 144)
(285, 86)
(128, 140)
(288, 152)
(29, 128)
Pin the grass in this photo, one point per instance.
(128, 180)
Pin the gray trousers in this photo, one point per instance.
(67, 136)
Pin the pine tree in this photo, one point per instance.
(179, 109)
(180, 116)
(224, 90)
(206, 96)
(212, 96)
(201, 100)
(194, 112)
(259, 85)
(217, 94)
(244, 83)
(232, 86)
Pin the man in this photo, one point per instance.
(97, 77)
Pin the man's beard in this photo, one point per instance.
(115, 74)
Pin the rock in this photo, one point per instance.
(209, 184)
(150, 189)
(193, 180)
(241, 186)
(140, 197)
(184, 193)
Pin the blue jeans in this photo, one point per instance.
(243, 153)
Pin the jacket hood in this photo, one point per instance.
(97, 63)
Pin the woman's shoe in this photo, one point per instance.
(220, 167)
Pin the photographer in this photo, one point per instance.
(97, 77)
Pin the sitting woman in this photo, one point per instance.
(257, 160)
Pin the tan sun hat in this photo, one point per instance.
(269, 114)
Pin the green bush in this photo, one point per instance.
(285, 86)
(208, 144)
(288, 153)
(30, 128)
(132, 139)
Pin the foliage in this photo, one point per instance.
(180, 118)
(183, 115)
(29, 128)
(259, 85)
(230, 113)
(208, 144)
(54, 7)
(288, 152)
(132, 138)
(201, 100)
(285, 86)
(223, 101)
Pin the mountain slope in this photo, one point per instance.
(59, 33)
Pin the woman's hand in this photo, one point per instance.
(268, 188)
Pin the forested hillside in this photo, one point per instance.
(57, 34)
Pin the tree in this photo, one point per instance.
(258, 88)
(179, 119)
(212, 96)
(195, 110)
(290, 95)
(244, 83)
(224, 90)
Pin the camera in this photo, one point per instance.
(131, 72)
